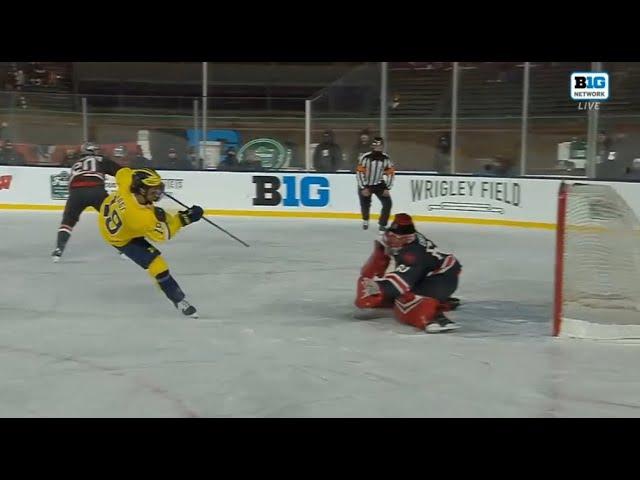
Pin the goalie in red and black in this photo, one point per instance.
(419, 289)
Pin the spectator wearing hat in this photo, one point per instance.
(140, 161)
(9, 155)
(230, 160)
(442, 159)
(174, 162)
(363, 146)
(328, 154)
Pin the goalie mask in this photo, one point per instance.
(147, 183)
(401, 232)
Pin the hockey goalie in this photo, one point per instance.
(419, 289)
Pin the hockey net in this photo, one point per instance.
(597, 281)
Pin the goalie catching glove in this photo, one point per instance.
(190, 215)
(369, 295)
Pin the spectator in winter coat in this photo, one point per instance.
(328, 154)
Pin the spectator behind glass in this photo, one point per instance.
(192, 157)
(442, 159)
(363, 146)
(633, 172)
(174, 162)
(328, 155)
(40, 75)
(606, 164)
(499, 166)
(505, 166)
(19, 79)
(230, 160)
(605, 145)
(9, 156)
(120, 155)
(70, 157)
(140, 161)
(488, 170)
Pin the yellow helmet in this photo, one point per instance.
(144, 178)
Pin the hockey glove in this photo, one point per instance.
(161, 215)
(370, 288)
(190, 215)
(368, 294)
(377, 263)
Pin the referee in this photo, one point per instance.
(375, 173)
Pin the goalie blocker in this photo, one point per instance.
(419, 289)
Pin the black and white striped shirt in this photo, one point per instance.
(374, 168)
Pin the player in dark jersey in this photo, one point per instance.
(86, 189)
(420, 287)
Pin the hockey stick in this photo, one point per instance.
(208, 221)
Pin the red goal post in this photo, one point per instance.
(597, 269)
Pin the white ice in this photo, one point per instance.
(92, 337)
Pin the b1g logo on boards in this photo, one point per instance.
(5, 182)
(292, 191)
(589, 86)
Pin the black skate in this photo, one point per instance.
(441, 324)
(365, 225)
(57, 253)
(187, 309)
(381, 229)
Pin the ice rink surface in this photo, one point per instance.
(92, 336)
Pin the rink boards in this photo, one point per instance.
(521, 202)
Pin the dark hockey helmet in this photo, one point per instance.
(377, 144)
(89, 148)
(402, 224)
(401, 232)
(145, 178)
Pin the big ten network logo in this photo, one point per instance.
(589, 89)
(308, 191)
(5, 182)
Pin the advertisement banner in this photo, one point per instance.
(520, 202)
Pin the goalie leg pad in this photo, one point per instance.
(416, 310)
(377, 264)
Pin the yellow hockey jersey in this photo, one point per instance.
(122, 218)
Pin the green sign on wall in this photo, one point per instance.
(270, 152)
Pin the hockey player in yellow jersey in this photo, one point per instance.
(128, 217)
